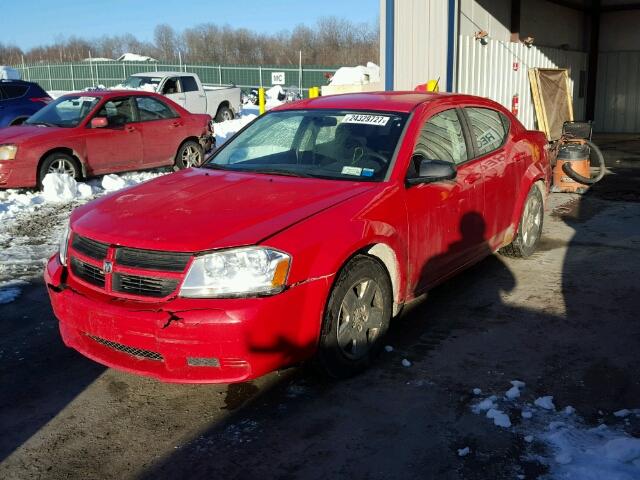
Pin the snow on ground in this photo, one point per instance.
(9, 291)
(31, 222)
(571, 449)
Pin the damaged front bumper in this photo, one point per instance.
(190, 340)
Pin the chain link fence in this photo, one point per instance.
(78, 76)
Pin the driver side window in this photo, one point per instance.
(441, 138)
(118, 112)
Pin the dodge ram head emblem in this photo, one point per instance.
(107, 266)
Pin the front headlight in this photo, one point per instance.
(64, 245)
(8, 152)
(238, 272)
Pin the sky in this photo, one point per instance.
(36, 22)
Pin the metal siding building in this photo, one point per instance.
(420, 27)
(596, 40)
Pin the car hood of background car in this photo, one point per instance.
(22, 133)
(200, 209)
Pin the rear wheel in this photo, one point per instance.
(356, 318)
(529, 228)
(224, 114)
(58, 163)
(190, 154)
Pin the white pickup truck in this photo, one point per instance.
(186, 89)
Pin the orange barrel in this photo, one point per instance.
(578, 156)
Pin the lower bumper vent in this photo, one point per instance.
(135, 352)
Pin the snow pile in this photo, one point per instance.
(225, 130)
(8, 73)
(500, 419)
(147, 87)
(582, 453)
(574, 451)
(111, 183)
(545, 402)
(9, 291)
(60, 187)
(514, 391)
(463, 452)
(359, 75)
(134, 57)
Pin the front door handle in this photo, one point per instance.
(130, 129)
(177, 123)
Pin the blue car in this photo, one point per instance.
(19, 100)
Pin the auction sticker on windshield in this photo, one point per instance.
(380, 120)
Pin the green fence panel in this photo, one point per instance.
(81, 75)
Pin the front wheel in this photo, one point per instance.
(190, 154)
(58, 163)
(356, 319)
(529, 228)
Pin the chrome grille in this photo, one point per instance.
(90, 248)
(136, 352)
(144, 286)
(152, 259)
(87, 272)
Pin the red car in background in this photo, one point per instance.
(98, 132)
(301, 237)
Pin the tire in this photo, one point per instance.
(58, 163)
(529, 228)
(224, 114)
(189, 154)
(356, 318)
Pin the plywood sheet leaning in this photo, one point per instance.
(552, 100)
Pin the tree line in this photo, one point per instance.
(332, 41)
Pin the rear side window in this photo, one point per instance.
(153, 109)
(189, 84)
(487, 129)
(441, 138)
(14, 91)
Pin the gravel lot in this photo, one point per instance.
(565, 322)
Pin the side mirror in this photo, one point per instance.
(99, 122)
(431, 170)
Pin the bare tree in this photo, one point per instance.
(332, 41)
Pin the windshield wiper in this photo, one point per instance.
(276, 171)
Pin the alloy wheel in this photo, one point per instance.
(191, 157)
(62, 165)
(531, 220)
(360, 318)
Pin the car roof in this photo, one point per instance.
(399, 101)
(109, 93)
(162, 74)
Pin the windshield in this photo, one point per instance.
(333, 144)
(150, 83)
(64, 112)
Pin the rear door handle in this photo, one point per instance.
(130, 129)
(177, 123)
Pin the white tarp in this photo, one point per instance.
(8, 73)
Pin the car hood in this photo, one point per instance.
(202, 209)
(22, 133)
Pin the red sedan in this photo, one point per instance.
(301, 237)
(94, 133)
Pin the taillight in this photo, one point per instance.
(41, 99)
